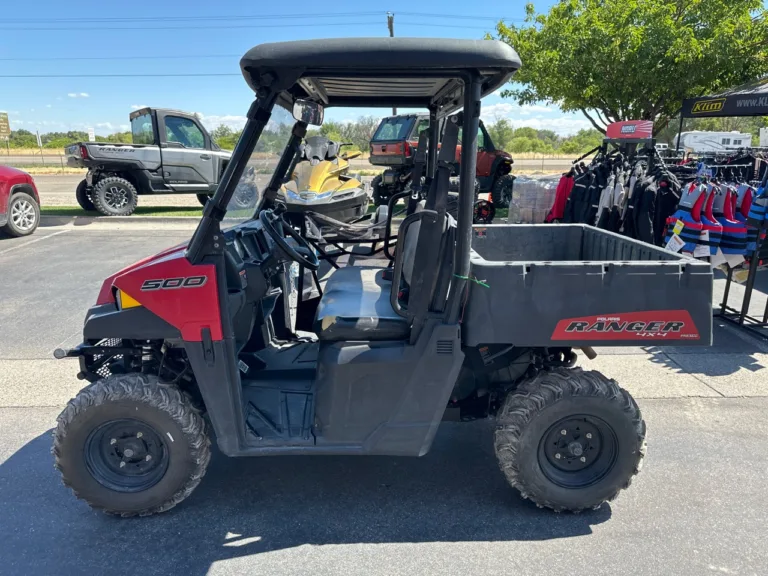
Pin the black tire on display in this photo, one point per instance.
(501, 194)
(114, 196)
(131, 445)
(83, 196)
(203, 199)
(570, 439)
(23, 215)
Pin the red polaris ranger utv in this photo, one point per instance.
(467, 322)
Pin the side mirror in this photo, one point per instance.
(309, 112)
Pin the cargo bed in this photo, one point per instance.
(576, 285)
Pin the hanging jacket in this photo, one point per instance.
(644, 202)
(614, 217)
(575, 201)
(627, 221)
(598, 184)
(562, 193)
(604, 205)
(744, 196)
(689, 213)
(734, 239)
(709, 223)
(666, 202)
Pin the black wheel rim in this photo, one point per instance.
(116, 197)
(578, 451)
(126, 455)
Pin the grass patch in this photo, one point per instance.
(38, 169)
(160, 211)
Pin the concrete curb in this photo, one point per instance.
(53, 220)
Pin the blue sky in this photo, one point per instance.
(50, 37)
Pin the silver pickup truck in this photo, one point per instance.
(171, 153)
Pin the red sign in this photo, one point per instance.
(653, 325)
(630, 129)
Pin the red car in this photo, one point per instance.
(19, 202)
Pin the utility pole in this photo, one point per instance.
(391, 26)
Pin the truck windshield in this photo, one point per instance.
(141, 129)
(261, 165)
(394, 128)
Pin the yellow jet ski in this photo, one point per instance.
(320, 182)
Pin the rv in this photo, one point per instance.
(699, 141)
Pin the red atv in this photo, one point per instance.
(394, 145)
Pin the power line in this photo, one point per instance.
(182, 28)
(183, 75)
(78, 20)
(169, 57)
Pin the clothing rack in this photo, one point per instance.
(742, 317)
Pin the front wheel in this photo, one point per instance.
(131, 445)
(570, 439)
(23, 215)
(115, 196)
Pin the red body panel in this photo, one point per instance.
(190, 309)
(10, 177)
(651, 325)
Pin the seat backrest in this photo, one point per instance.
(426, 241)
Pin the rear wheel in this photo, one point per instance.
(115, 196)
(83, 196)
(501, 194)
(203, 199)
(131, 445)
(23, 215)
(569, 439)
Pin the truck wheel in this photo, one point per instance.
(501, 194)
(114, 196)
(376, 191)
(203, 199)
(83, 195)
(23, 215)
(569, 439)
(131, 445)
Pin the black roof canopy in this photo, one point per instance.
(747, 100)
(379, 72)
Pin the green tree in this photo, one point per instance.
(636, 59)
(501, 132)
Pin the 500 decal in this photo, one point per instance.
(173, 283)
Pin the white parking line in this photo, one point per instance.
(38, 239)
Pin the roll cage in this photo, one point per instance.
(440, 75)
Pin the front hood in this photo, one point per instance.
(106, 294)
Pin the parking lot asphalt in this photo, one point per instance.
(698, 507)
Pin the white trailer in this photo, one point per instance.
(700, 141)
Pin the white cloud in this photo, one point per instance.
(138, 106)
(31, 109)
(535, 116)
(107, 125)
(84, 95)
(72, 95)
(47, 105)
(211, 122)
(124, 127)
(78, 95)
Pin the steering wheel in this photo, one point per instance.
(275, 227)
